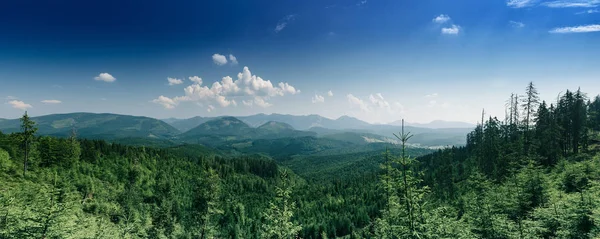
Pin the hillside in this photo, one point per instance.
(224, 126)
(91, 125)
(185, 125)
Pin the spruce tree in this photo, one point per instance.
(28, 130)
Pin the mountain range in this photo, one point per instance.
(215, 131)
(100, 126)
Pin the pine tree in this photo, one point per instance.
(28, 130)
(530, 104)
(404, 216)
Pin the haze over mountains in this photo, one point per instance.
(216, 131)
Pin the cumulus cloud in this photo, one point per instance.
(233, 59)
(453, 30)
(17, 104)
(166, 102)
(572, 3)
(51, 101)
(442, 18)
(356, 102)
(318, 99)
(105, 77)
(10, 97)
(173, 81)
(284, 22)
(219, 59)
(219, 93)
(520, 3)
(195, 79)
(329, 93)
(260, 102)
(516, 24)
(431, 95)
(577, 29)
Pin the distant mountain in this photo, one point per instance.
(184, 125)
(298, 122)
(437, 124)
(231, 129)
(275, 127)
(274, 130)
(224, 126)
(91, 125)
(347, 122)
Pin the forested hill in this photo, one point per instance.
(533, 174)
(97, 126)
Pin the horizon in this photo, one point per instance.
(377, 61)
(237, 116)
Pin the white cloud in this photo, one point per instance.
(284, 22)
(246, 85)
(329, 93)
(219, 59)
(173, 81)
(17, 104)
(11, 98)
(442, 18)
(260, 102)
(591, 11)
(165, 102)
(210, 108)
(516, 24)
(379, 101)
(357, 102)
(318, 99)
(431, 95)
(577, 29)
(520, 3)
(196, 79)
(454, 30)
(363, 2)
(233, 59)
(105, 77)
(51, 101)
(572, 3)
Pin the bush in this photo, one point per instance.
(5, 162)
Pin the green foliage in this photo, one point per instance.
(278, 216)
(534, 175)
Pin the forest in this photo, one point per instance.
(532, 174)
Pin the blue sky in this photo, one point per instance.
(382, 60)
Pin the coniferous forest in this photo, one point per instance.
(532, 173)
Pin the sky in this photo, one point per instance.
(376, 60)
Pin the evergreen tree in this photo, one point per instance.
(278, 216)
(529, 104)
(28, 130)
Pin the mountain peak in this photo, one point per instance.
(276, 126)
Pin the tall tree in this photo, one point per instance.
(530, 104)
(404, 215)
(28, 130)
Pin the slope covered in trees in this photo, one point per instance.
(533, 174)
